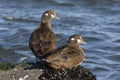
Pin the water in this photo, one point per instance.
(98, 21)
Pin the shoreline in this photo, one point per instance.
(32, 71)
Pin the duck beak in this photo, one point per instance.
(83, 42)
(56, 17)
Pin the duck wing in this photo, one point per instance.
(64, 54)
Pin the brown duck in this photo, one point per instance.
(43, 39)
(67, 56)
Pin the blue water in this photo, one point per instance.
(98, 21)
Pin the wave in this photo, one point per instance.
(17, 19)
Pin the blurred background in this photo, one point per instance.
(98, 21)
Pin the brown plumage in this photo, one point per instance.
(67, 56)
(43, 39)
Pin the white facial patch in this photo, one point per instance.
(46, 14)
(80, 37)
(78, 40)
(72, 39)
(52, 16)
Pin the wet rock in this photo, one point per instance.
(21, 79)
(24, 78)
(76, 73)
(21, 71)
(28, 71)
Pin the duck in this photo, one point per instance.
(43, 39)
(67, 56)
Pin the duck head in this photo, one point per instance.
(76, 40)
(48, 15)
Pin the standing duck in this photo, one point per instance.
(43, 39)
(67, 56)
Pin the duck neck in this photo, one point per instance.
(46, 23)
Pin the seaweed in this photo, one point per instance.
(6, 65)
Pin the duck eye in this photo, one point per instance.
(52, 13)
(46, 14)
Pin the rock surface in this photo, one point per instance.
(32, 71)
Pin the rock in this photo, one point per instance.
(27, 71)
(21, 79)
(26, 76)
(76, 73)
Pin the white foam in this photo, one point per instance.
(1, 28)
(22, 59)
